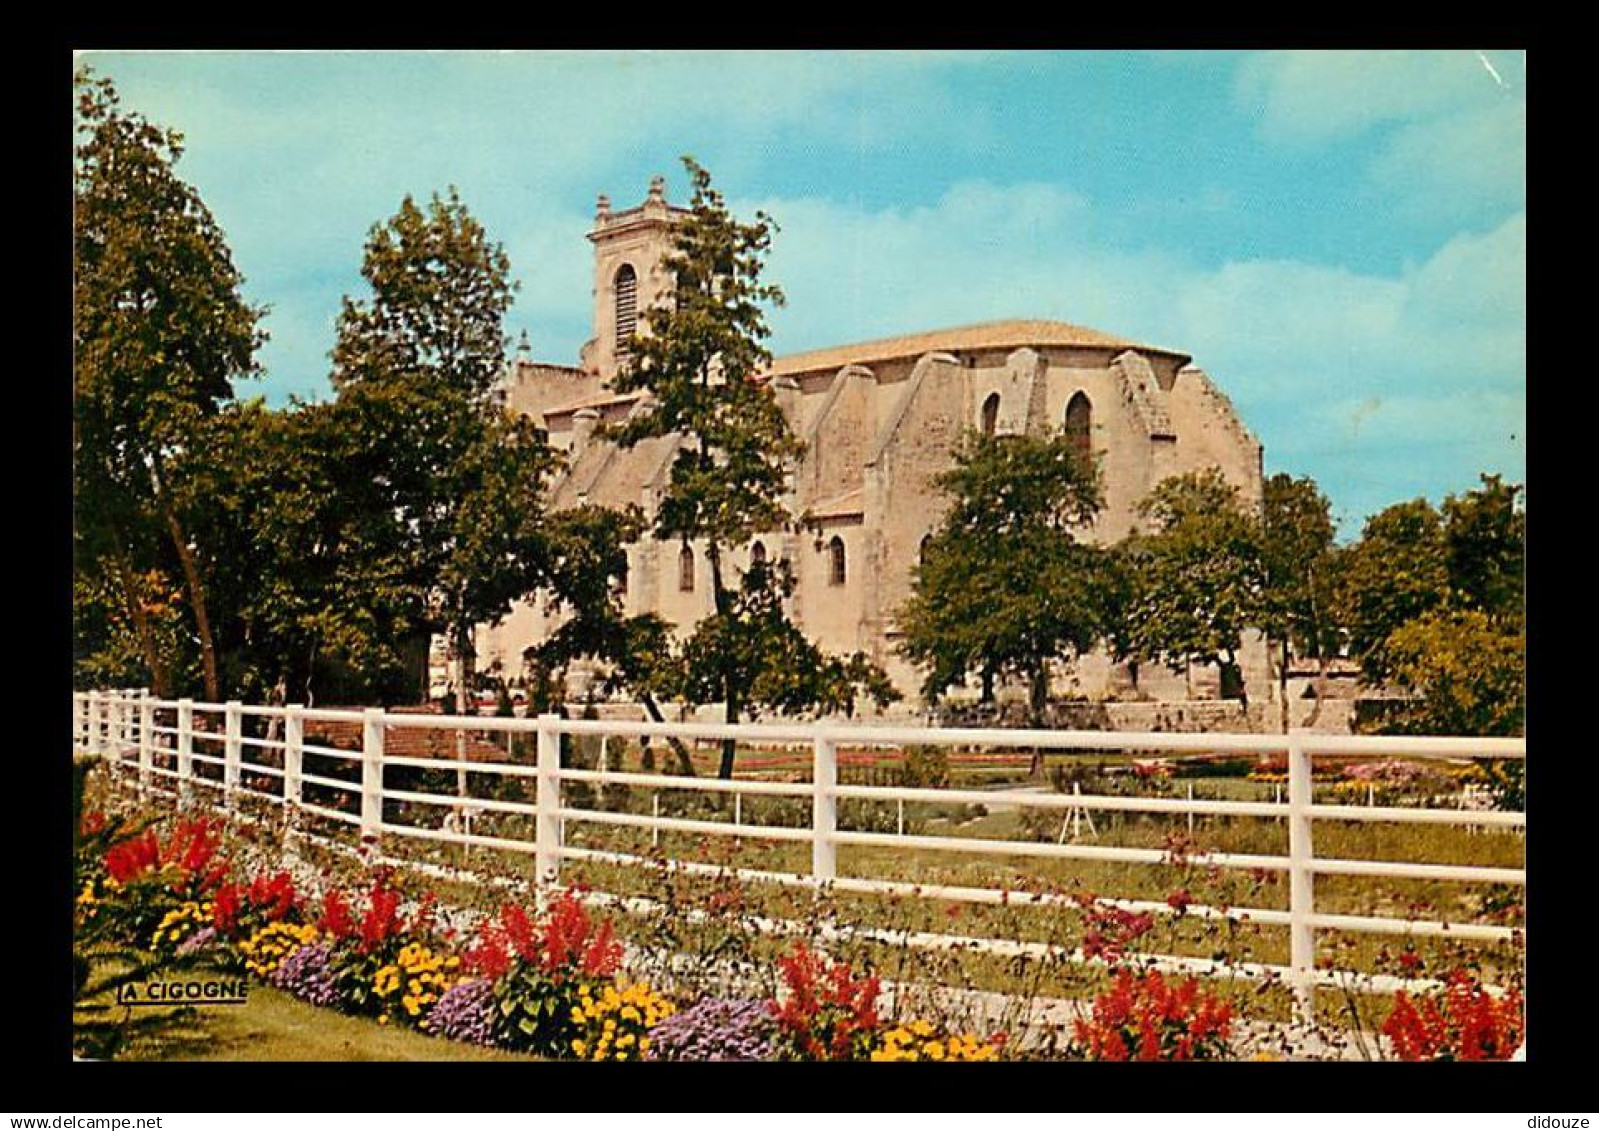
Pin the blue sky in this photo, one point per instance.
(1338, 238)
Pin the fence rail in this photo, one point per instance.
(201, 753)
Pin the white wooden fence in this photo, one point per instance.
(121, 727)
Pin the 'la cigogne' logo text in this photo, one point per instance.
(185, 991)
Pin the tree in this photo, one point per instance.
(1296, 551)
(1004, 587)
(418, 364)
(1435, 603)
(160, 332)
(1485, 540)
(588, 556)
(1466, 675)
(1196, 581)
(1398, 571)
(697, 359)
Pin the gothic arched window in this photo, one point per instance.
(1080, 424)
(990, 414)
(758, 554)
(626, 288)
(835, 553)
(685, 571)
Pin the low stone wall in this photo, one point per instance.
(1227, 716)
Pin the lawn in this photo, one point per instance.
(275, 1026)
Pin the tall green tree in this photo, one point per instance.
(1434, 599)
(418, 362)
(160, 333)
(697, 359)
(1005, 587)
(1396, 572)
(1485, 541)
(1297, 559)
(1465, 674)
(1196, 579)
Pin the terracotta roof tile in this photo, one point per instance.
(983, 335)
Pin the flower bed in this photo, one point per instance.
(554, 980)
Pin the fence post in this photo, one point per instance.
(185, 748)
(232, 731)
(119, 726)
(824, 809)
(546, 805)
(293, 752)
(1301, 881)
(96, 723)
(146, 742)
(371, 776)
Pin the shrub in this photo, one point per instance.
(716, 1029)
(926, 767)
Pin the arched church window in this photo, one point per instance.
(758, 554)
(990, 414)
(685, 571)
(1080, 425)
(626, 288)
(835, 551)
(921, 551)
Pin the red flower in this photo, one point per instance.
(225, 908)
(1144, 1017)
(134, 857)
(273, 896)
(336, 919)
(1179, 900)
(828, 1012)
(1461, 1022)
(382, 919)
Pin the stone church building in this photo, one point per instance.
(879, 421)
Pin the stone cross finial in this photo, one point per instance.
(523, 349)
(603, 207)
(657, 187)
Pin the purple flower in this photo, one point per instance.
(716, 1029)
(201, 939)
(308, 975)
(465, 1012)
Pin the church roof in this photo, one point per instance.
(1012, 334)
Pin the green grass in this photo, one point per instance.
(275, 1026)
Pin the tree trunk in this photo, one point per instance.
(1037, 701)
(988, 685)
(731, 689)
(735, 704)
(1282, 683)
(133, 603)
(202, 618)
(685, 763)
(1321, 690)
(463, 666)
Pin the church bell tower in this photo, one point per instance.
(630, 275)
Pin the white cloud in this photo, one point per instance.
(1317, 96)
(1339, 372)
